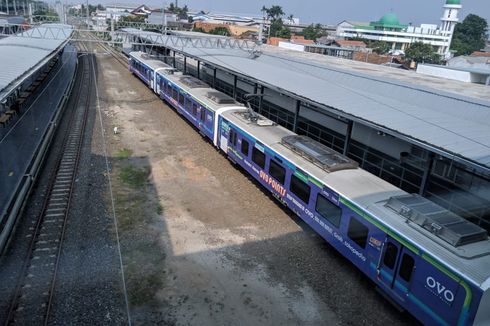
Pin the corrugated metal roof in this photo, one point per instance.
(19, 54)
(453, 124)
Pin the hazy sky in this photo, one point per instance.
(334, 11)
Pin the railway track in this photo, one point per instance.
(115, 54)
(33, 298)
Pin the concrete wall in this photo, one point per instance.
(291, 46)
(444, 73)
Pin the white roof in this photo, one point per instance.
(20, 54)
(451, 124)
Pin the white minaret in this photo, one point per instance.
(448, 22)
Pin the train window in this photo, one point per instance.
(203, 114)
(258, 157)
(406, 267)
(175, 94)
(300, 189)
(390, 255)
(277, 171)
(194, 108)
(181, 99)
(244, 147)
(358, 232)
(188, 104)
(328, 210)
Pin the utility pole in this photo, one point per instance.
(88, 14)
(15, 8)
(7, 4)
(164, 20)
(112, 29)
(31, 21)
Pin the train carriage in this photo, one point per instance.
(146, 67)
(428, 260)
(425, 258)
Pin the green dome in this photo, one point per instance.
(390, 19)
(453, 2)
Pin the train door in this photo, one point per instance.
(158, 81)
(395, 268)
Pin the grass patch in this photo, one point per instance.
(124, 153)
(159, 209)
(143, 288)
(129, 209)
(133, 176)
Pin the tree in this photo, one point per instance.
(470, 35)
(379, 47)
(126, 21)
(420, 52)
(220, 31)
(274, 15)
(198, 29)
(171, 8)
(180, 12)
(312, 32)
(274, 12)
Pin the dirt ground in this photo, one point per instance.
(202, 244)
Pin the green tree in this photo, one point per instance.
(91, 9)
(44, 15)
(312, 32)
(198, 29)
(180, 12)
(470, 35)
(422, 53)
(129, 21)
(171, 8)
(379, 47)
(274, 14)
(220, 31)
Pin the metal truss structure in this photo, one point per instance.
(133, 36)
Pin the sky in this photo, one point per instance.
(334, 11)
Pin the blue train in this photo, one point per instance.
(424, 258)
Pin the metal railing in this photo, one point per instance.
(125, 36)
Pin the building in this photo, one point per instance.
(348, 44)
(469, 69)
(156, 18)
(142, 10)
(399, 36)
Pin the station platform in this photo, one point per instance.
(25, 140)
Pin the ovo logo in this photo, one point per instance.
(440, 289)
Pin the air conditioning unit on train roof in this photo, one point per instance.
(437, 220)
(220, 98)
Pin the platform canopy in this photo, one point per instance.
(452, 125)
(20, 55)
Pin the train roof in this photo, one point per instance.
(379, 198)
(208, 96)
(150, 61)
